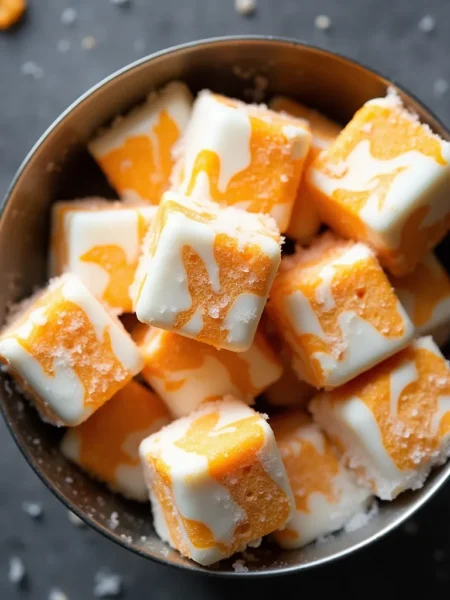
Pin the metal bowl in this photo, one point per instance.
(58, 167)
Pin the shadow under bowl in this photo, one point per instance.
(59, 167)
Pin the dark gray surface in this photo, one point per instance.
(382, 34)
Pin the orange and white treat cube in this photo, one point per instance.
(100, 242)
(337, 311)
(386, 181)
(107, 445)
(425, 295)
(243, 155)
(68, 353)
(393, 422)
(136, 151)
(305, 220)
(325, 493)
(206, 271)
(216, 480)
(186, 373)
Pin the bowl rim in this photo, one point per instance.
(191, 566)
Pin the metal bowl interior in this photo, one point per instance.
(58, 167)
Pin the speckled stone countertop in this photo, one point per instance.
(384, 34)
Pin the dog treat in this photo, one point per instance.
(392, 423)
(68, 353)
(325, 492)
(136, 151)
(337, 311)
(243, 155)
(216, 481)
(106, 445)
(100, 242)
(206, 272)
(386, 181)
(425, 295)
(186, 373)
(305, 220)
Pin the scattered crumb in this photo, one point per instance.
(75, 520)
(69, 16)
(361, 518)
(32, 69)
(255, 543)
(33, 509)
(427, 24)
(239, 566)
(139, 46)
(107, 584)
(322, 22)
(17, 572)
(440, 87)
(88, 42)
(63, 46)
(143, 538)
(245, 7)
(323, 539)
(411, 527)
(57, 594)
(114, 520)
(127, 538)
(69, 480)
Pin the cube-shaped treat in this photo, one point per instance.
(68, 353)
(386, 181)
(106, 446)
(393, 422)
(136, 151)
(425, 295)
(244, 156)
(100, 242)
(325, 493)
(337, 311)
(216, 480)
(305, 220)
(206, 271)
(186, 373)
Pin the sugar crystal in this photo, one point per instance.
(16, 572)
